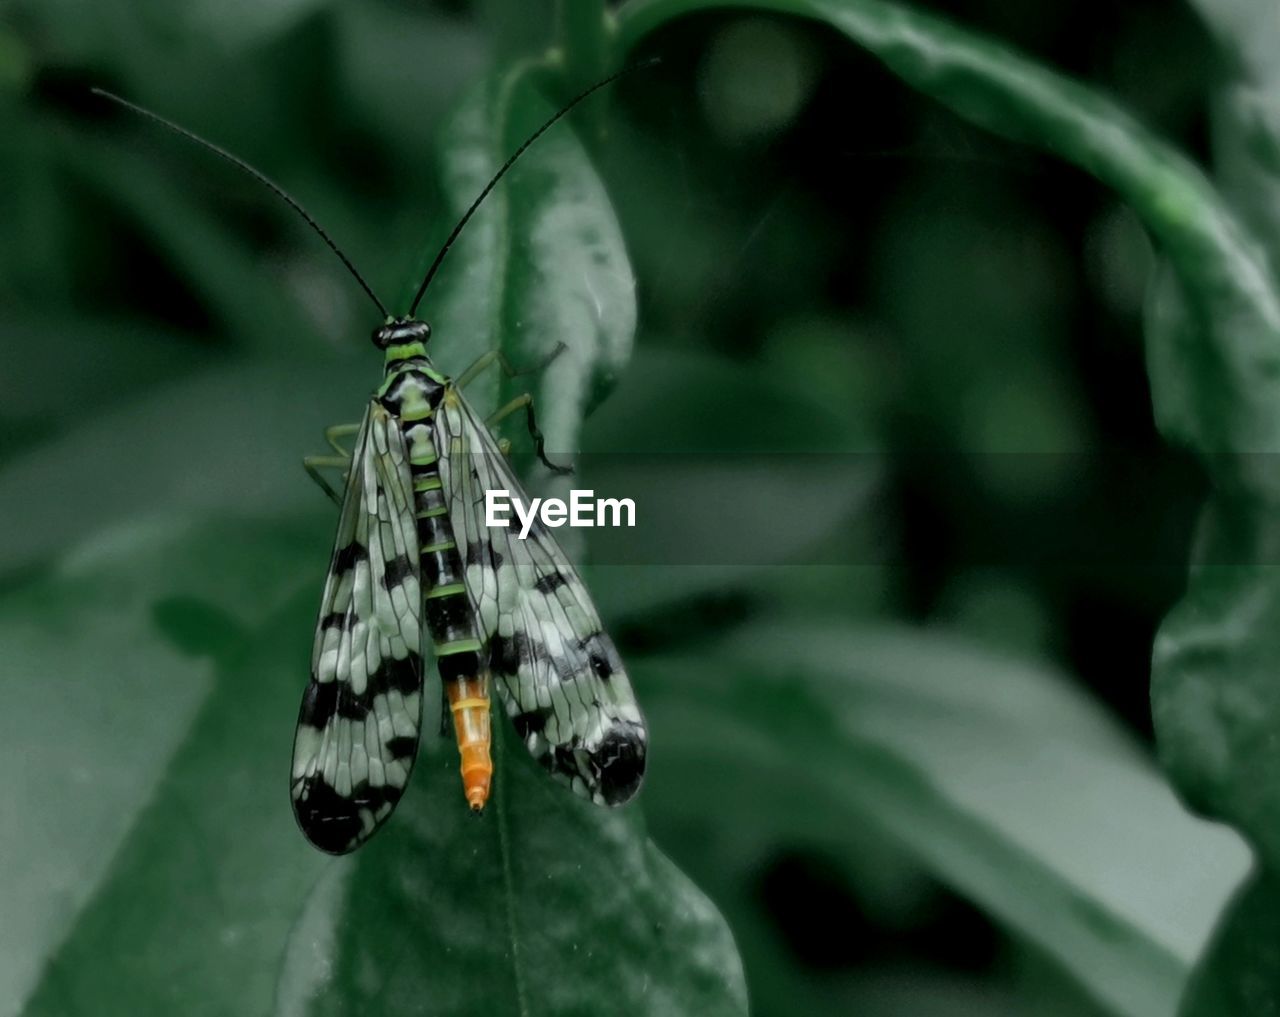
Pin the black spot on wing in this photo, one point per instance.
(403, 676)
(396, 571)
(319, 704)
(480, 552)
(345, 558)
(619, 763)
(344, 621)
(353, 707)
(566, 670)
(502, 655)
(549, 583)
(602, 655)
(331, 821)
(601, 666)
(506, 653)
(403, 748)
(563, 759)
(530, 722)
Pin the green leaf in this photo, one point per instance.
(1236, 975)
(161, 812)
(542, 262)
(1002, 780)
(1246, 135)
(1214, 695)
(546, 904)
(1213, 691)
(154, 685)
(1214, 348)
(226, 441)
(1236, 354)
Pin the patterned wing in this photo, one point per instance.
(556, 670)
(357, 732)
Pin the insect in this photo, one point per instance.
(413, 563)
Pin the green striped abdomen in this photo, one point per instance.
(447, 608)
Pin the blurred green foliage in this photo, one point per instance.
(914, 778)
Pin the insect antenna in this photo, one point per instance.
(475, 205)
(257, 175)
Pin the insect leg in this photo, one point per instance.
(314, 464)
(525, 402)
(342, 461)
(487, 360)
(332, 434)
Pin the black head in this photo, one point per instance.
(400, 332)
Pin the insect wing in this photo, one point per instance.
(556, 670)
(357, 734)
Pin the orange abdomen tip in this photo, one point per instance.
(469, 703)
(477, 775)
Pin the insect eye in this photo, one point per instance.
(381, 337)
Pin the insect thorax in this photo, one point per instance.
(411, 387)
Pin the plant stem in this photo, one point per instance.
(583, 37)
(519, 28)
